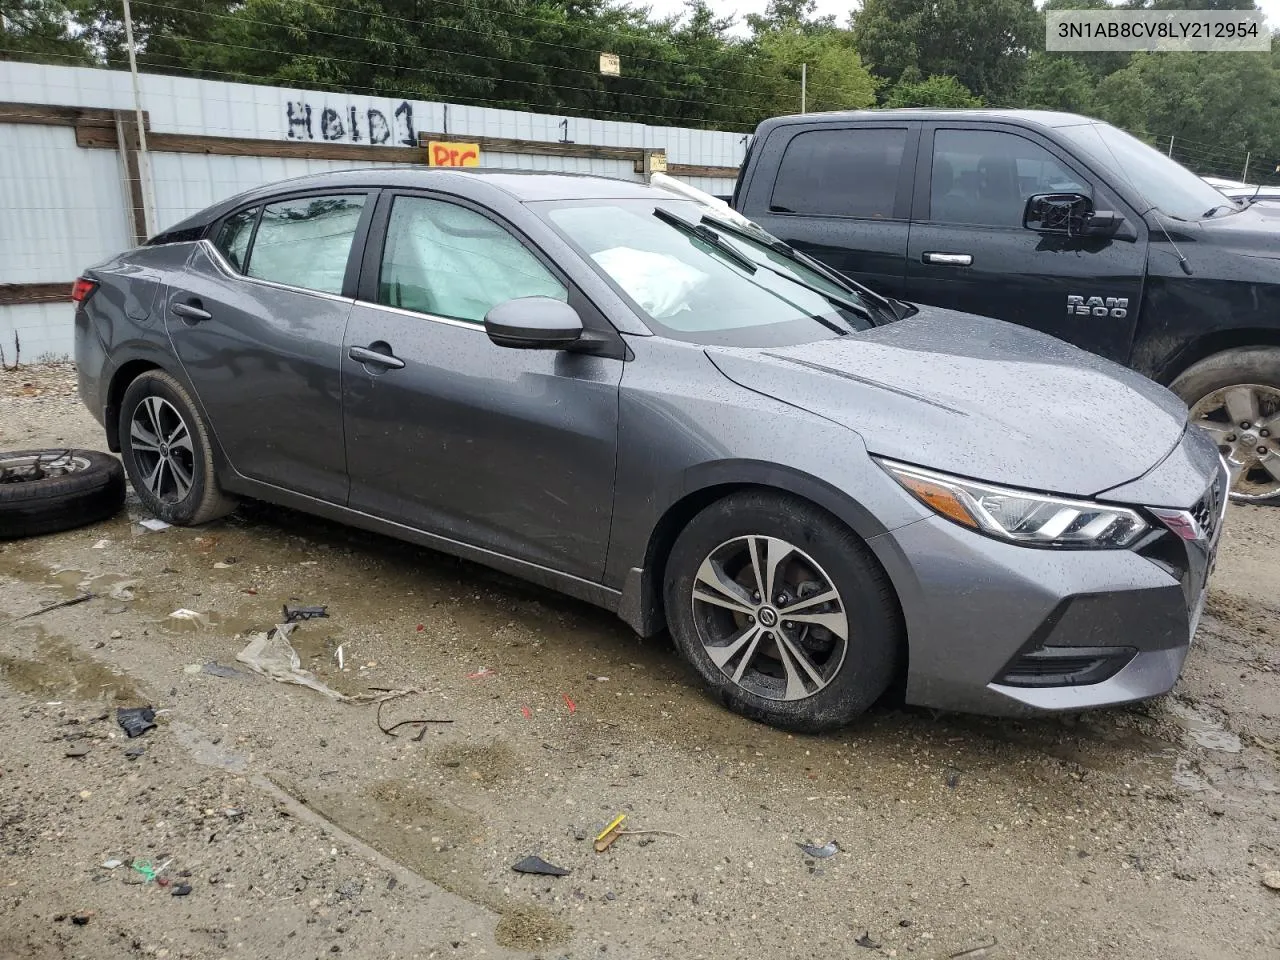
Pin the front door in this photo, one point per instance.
(509, 450)
(969, 251)
(257, 322)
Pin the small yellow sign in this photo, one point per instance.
(657, 163)
(610, 64)
(441, 154)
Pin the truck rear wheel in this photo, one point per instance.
(1235, 397)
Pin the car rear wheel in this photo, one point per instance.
(783, 611)
(1235, 397)
(167, 454)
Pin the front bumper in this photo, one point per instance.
(1003, 629)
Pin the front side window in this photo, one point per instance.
(985, 177)
(840, 173)
(306, 242)
(448, 261)
(715, 288)
(233, 238)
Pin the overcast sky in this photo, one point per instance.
(840, 8)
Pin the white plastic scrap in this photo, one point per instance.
(272, 655)
(190, 616)
(151, 523)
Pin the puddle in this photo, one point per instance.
(437, 840)
(57, 671)
(205, 752)
(1202, 731)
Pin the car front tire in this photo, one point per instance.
(783, 611)
(164, 443)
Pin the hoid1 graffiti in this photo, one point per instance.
(353, 125)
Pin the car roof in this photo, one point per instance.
(1032, 118)
(479, 184)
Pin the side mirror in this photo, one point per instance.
(533, 323)
(1069, 214)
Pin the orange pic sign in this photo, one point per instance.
(441, 154)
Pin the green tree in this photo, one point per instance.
(935, 91)
(1053, 82)
(982, 43)
(41, 30)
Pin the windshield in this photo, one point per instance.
(1162, 182)
(693, 282)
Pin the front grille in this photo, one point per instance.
(1066, 666)
(1209, 508)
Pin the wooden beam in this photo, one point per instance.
(130, 146)
(697, 170)
(57, 116)
(541, 148)
(12, 294)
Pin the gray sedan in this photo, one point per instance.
(608, 390)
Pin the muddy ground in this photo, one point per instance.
(304, 831)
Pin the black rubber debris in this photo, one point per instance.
(298, 614)
(136, 720)
(182, 890)
(539, 866)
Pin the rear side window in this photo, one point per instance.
(233, 238)
(840, 173)
(306, 242)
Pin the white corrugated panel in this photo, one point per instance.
(36, 331)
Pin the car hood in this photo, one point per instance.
(976, 397)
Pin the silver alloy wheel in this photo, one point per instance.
(770, 618)
(162, 449)
(38, 466)
(1244, 421)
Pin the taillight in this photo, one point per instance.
(83, 289)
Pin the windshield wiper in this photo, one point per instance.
(817, 266)
(708, 236)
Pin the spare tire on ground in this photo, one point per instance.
(43, 491)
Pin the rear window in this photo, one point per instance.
(840, 173)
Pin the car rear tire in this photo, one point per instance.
(44, 491)
(1235, 396)
(164, 443)
(810, 655)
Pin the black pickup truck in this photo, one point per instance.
(1054, 221)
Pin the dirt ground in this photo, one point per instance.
(303, 831)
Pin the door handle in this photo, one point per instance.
(192, 311)
(949, 259)
(376, 357)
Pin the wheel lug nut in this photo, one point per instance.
(751, 618)
(1231, 438)
(787, 624)
(1262, 450)
(1264, 433)
(1244, 425)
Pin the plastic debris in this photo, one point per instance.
(537, 865)
(111, 864)
(526, 712)
(271, 654)
(568, 702)
(596, 676)
(152, 523)
(340, 656)
(820, 853)
(136, 720)
(190, 616)
(223, 565)
(101, 544)
(866, 941)
(482, 673)
(610, 833)
(181, 890)
(298, 614)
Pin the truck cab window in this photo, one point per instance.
(840, 173)
(985, 177)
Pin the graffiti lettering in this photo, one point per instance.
(344, 123)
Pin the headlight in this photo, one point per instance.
(1032, 519)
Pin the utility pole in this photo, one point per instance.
(1171, 144)
(804, 86)
(144, 159)
(1244, 177)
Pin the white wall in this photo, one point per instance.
(63, 207)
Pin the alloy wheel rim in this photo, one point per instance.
(162, 449)
(1244, 421)
(38, 466)
(770, 618)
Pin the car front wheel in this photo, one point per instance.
(165, 447)
(783, 611)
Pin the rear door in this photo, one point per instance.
(969, 251)
(257, 321)
(509, 450)
(842, 194)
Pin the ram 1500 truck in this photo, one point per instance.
(1053, 221)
